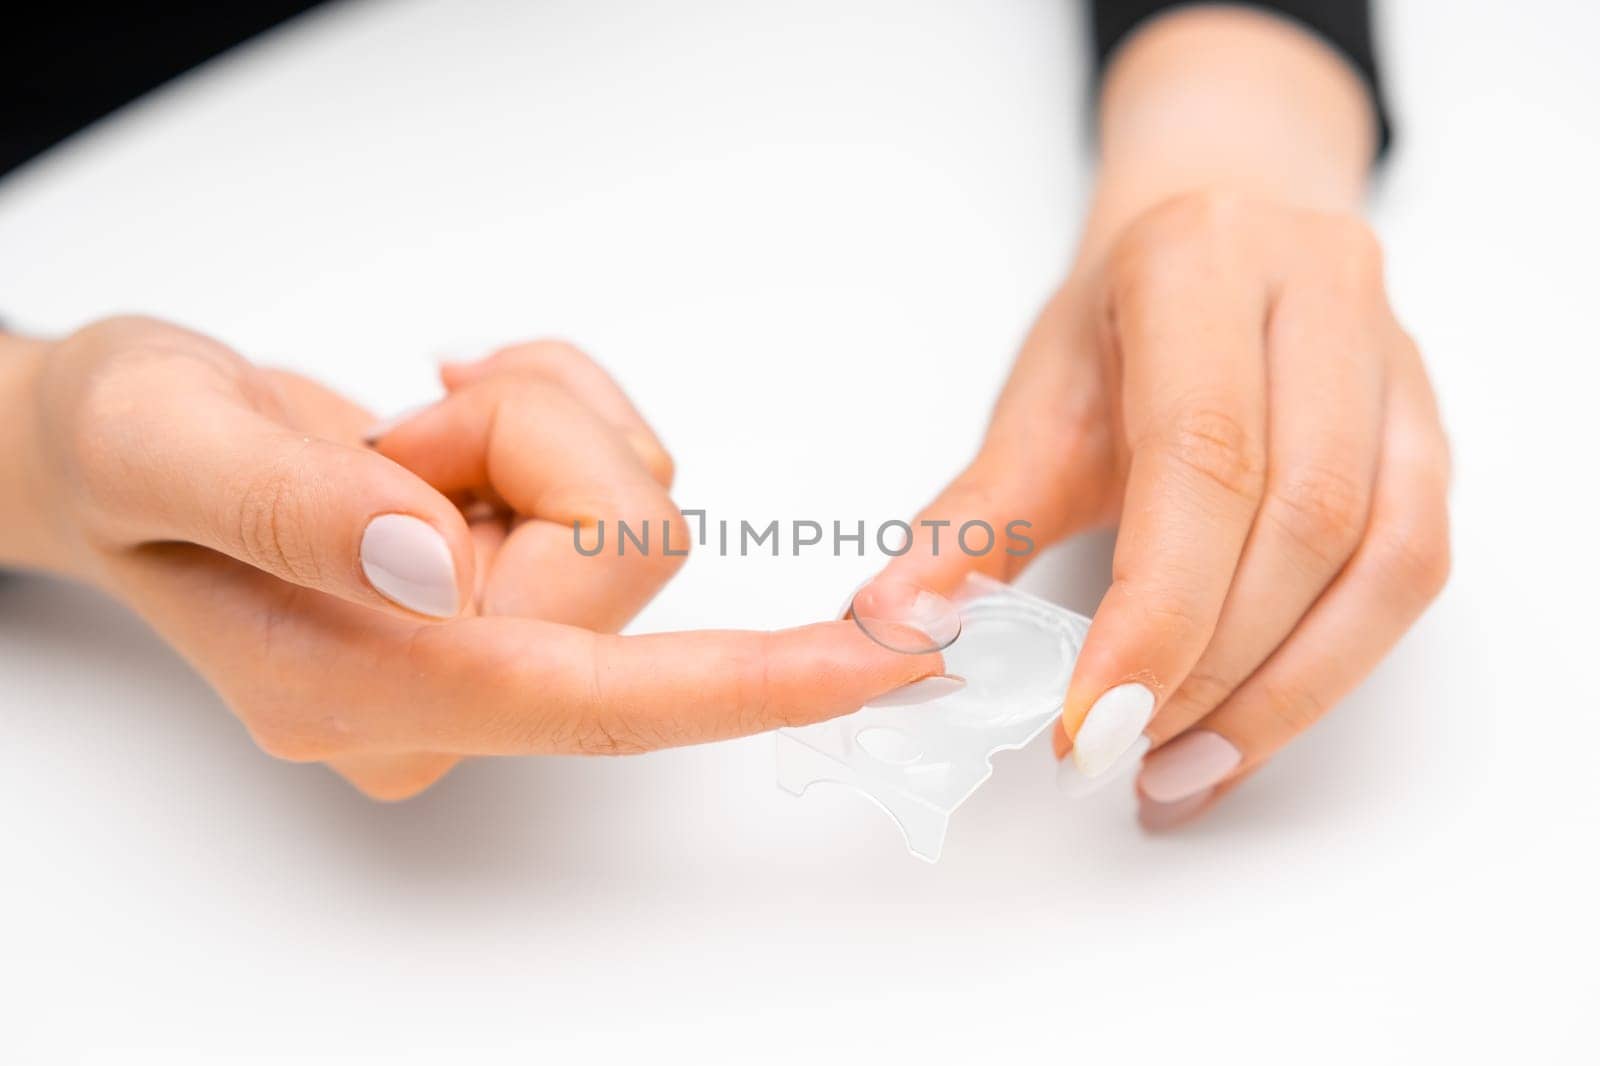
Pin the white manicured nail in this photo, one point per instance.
(409, 562)
(1073, 784)
(1115, 722)
(925, 690)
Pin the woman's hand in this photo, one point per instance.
(387, 608)
(1222, 376)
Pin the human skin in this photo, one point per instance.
(1222, 378)
(234, 509)
(1220, 375)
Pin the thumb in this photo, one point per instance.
(997, 514)
(986, 522)
(339, 519)
(1039, 477)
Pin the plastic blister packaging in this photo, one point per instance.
(919, 763)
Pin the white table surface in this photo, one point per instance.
(765, 218)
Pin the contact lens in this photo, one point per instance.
(905, 617)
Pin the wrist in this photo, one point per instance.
(1234, 101)
(28, 537)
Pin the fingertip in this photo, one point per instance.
(844, 639)
(1112, 695)
(1157, 817)
(383, 427)
(1060, 743)
(1113, 655)
(849, 669)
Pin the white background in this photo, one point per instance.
(807, 236)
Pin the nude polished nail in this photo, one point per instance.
(408, 562)
(1195, 762)
(1113, 725)
(924, 690)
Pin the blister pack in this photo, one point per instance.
(921, 762)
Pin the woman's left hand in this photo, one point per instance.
(1228, 382)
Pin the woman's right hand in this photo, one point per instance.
(389, 608)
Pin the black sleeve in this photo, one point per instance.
(1344, 24)
(69, 63)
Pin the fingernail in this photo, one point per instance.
(378, 430)
(1194, 762)
(1158, 816)
(1114, 723)
(1073, 783)
(925, 690)
(408, 561)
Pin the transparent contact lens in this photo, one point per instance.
(905, 617)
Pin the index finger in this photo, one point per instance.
(1035, 479)
(1190, 326)
(511, 686)
(567, 366)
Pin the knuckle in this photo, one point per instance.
(1205, 236)
(1203, 219)
(1294, 708)
(268, 518)
(100, 442)
(612, 735)
(1323, 510)
(755, 709)
(1215, 446)
(606, 729)
(1201, 692)
(108, 387)
(111, 434)
(1210, 213)
(1354, 253)
(1168, 613)
(1415, 553)
(1129, 259)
